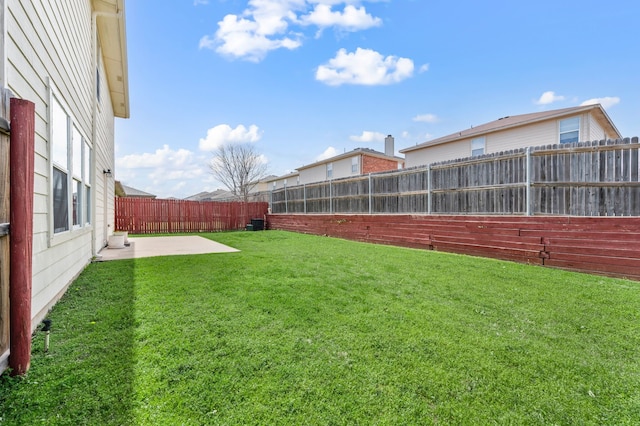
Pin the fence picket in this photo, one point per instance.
(152, 216)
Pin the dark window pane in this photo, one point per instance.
(77, 194)
(87, 202)
(60, 201)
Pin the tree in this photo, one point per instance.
(239, 167)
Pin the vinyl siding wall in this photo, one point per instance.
(536, 134)
(341, 169)
(49, 46)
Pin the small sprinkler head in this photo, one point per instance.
(46, 325)
(47, 330)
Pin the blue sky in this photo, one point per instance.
(307, 79)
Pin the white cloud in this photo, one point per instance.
(426, 118)
(199, 2)
(350, 19)
(160, 157)
(248, 39)
(163, 171)
(424, 68)
(223, 133)
(549, 98)
(328, 153)
(606, 102)
(364, 67)
(368, 136)
(267, 25)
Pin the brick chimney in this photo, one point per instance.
(389, 149)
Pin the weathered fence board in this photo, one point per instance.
(598, 178)
(153, 216)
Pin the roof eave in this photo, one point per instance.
(113, 40)
(606, 121)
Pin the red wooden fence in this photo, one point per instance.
(154, 216)
(603, 245)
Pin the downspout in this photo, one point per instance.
(94, 119)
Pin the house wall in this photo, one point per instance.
(341, 169)
(536, 134)
(49, 48)
(375, 164)
(290, 180)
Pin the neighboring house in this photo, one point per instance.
(217, 195)
(360, 161)
(261, 186)
(127, 191)
(279, 182)
(69, 58)
(583, 123)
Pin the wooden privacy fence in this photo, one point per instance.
(598, 178)
(152, 216)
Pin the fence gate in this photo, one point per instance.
(4, 230)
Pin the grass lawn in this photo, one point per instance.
(299, 329)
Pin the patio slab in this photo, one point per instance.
(164, 246)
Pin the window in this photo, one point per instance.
(330, 171)
(477, 146)
(570, 130)
(355, 165)
(70, 171)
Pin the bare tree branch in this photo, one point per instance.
(239, 167)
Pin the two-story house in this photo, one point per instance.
(582, 123)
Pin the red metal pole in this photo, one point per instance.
(21, 233)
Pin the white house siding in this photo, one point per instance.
(535, 134)
(341, 169)
(103, 150)
(595, 130)
(444, 152)
(49, 47)
(314, 174)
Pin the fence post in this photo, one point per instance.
(429, 188)
(528, 182)
(370, 194)
(21, 167)
(330, 197)
(286, 204)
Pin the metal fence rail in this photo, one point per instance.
(598, 178)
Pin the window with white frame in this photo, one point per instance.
(330, 171)
(70, 171)
(355, 165)
(570, 130)
(477, 146)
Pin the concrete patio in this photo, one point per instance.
(163, 246)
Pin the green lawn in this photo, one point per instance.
(299, 329)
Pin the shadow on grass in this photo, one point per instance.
(88, 372)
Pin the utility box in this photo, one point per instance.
(257, 224)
